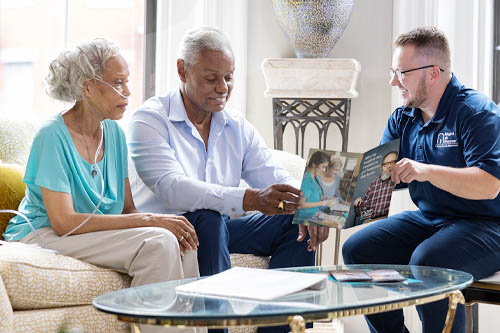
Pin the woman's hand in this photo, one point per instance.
(182, 229)
(177, 224)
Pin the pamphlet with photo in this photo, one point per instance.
(343, 189)
(376, 275)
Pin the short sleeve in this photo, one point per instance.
(47, 163)
(306, 188)
(482, 149)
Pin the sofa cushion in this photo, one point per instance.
(249, 260)
(36, 279)
(67, 319)
(6, 313)
(15, 139)
(11, 191)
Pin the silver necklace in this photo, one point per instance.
(94, 171)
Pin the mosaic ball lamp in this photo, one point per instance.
(313, 26)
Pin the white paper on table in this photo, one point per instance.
(254, 283)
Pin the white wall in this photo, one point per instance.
(468, 25)
(371, 47)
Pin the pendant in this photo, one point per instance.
(94, 172)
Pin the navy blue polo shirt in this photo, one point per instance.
(464, 132)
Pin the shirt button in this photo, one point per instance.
(419, 147)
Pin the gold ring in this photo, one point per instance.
(187, 235)
(281, 205)
(180, 239)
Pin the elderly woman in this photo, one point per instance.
(330, 179)
(78, 166)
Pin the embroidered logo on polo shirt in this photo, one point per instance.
(446, 140)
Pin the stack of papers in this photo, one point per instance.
(254, 283)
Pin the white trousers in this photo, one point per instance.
(148, 255)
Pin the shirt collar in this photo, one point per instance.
(447, 99)
(178, 110)
(450, 92)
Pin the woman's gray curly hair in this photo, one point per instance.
(73, 67)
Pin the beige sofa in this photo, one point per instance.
(46, 292)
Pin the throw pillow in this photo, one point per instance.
(11, 191)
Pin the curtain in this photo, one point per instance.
(469, 28)
(176, 17)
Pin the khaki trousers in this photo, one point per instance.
(148, 255)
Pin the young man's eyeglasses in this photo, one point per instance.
(399, 74)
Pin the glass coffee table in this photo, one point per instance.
(160, 304)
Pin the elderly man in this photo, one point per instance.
(450, 158)
(377, 198)
(191, 153)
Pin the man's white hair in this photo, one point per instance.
(73, 67)
(202, 38)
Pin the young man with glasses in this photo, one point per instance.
(450, 158)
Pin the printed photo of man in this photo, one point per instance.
(377, 199)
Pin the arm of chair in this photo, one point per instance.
(6, 313)
(292, 163)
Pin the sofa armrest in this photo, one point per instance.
(292, 163)
(6, 312)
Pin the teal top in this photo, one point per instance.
(55, 164)
(312, 192)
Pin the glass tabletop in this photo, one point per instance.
(161, 302)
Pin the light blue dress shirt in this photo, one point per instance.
(177, 174)
(55, 164)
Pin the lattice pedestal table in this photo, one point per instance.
(311, 93)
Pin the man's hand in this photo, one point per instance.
(357, 202)
(267, 200)
(317, 235)
(470, 183)
(407, 170)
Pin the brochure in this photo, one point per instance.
(254, 283)
(344, 189)
(352, 275)
(377, 275)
